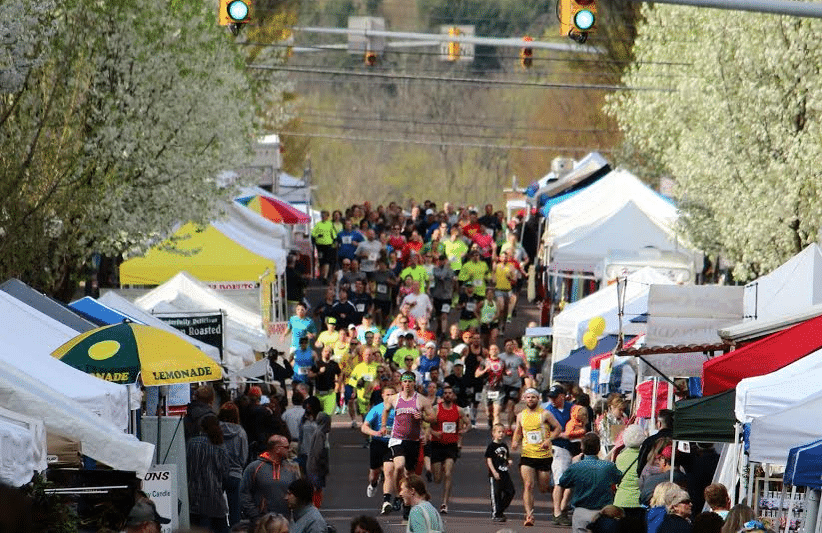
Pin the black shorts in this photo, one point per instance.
(440, 452)
(410, 449)
(438, 303)
(325, 254)
(426, 449)
(509, 393)
(384, 307)
(378, 453)
(540, 465)
(488, 328)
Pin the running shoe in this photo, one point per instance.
(354, 424)
(397, 503)
(443, 509)
(563, 520)
(386, 508)
(499, 518)
(370, 490)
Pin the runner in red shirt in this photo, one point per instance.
(451, 422)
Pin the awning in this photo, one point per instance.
(706, 419)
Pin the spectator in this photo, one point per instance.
(365, 524)
(422, 518)
(318, 465)
(208, 472)
(678, 506)
(272, 523)
(235, 441)
(627, 493)
(737, 517)
(305, 517)
(656, 507)
(665, 421)
(266, 480)
(708, 522)
(200, 406)
(717, 498)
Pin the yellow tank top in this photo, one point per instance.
(533, 434)
(501, 277)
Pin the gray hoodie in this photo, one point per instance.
(235, 441)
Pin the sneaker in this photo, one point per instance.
(397, 503)
(386, 508)
(562, 520)
(499, 519)
(370, 490)
(337, 410)
(354, 424)
(508, 320)
(443, 509)
(473, 424)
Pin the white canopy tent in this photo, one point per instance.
(773, 436)
(27, 341)
(605, 197)
(629, 227)
(120, 304)
(22, 447)
(762, 395)
(552, 184)
(255, 233)
(99, 438)
(570, 325)
(183, 293)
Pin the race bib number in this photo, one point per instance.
(360, 308)
(373, 256)
(493, 394)
(427, 376)
(534, 437)
(303, 371)
(346, 239)
(446, 308)
(368, 377)
(478, 397)
(471, 307)
(394, 442)
(382, 288)
(449, 427)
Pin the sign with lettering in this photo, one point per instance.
(207, 328)
(160, 484)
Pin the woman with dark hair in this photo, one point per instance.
(208, 473)
(737, 516)
(235, 441)
(422, 518)
(365, 524)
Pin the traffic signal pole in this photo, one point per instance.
(777, 7)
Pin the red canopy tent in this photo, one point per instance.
(761, 357)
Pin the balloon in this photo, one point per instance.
(597, 326)
(589, 340)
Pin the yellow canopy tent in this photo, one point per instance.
(207, 254)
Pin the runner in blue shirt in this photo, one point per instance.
(380, 455)
(303, 361)
(299, 325)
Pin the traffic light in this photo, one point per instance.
(582, 19)
(453, 47)
(234, 13)
(526, 53)
(370, 58)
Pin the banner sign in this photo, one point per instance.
(160, 484)
(206, 328)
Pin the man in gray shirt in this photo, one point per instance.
(368, 252)
(442, 292)
(511, 381)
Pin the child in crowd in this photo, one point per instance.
(575, 428)
(497, 460)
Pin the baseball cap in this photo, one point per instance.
(352, 326)
(429, 211)
(430, 344)
(331, 320)
(555, 391)
(458, 363)
(145, 511)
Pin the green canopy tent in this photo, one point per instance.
(707, 419)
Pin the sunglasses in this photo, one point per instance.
(407, 380)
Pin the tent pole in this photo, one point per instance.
(734, 499)
(812, 506)
(653, 402)
(673, 460)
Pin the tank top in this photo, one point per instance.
(495, 369)
(447, 423)
(501, 276)
(406, 426)
(488, 312)
(533, 434)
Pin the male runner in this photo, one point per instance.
(379, 455)
(536, 458)
(450, 423)
(409, 410)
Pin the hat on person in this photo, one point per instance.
(429, 212)
(675, 496)
(331, 320)
(667, 452)
(443, 256)
(352, 326)
(555, 391)
(458, 363)
(430, 344)
(145, 511)
(409, 335)
(255, 392)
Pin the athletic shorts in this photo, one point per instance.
(535, 368)
(502, 294)
(410, 449)
(493, 395)
(378, 453)
(538, 464)
(508, 393)
(349, 393)
(426, 449)
(383, 306)
(438, 303)
(488, 328)
(325, 254)
(440, 452)
(562, 460)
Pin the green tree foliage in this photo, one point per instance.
(735, 125)
(117, 134)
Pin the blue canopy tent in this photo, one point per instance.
(102, 314)
(568, 368)
(804, 467)
(551, 202)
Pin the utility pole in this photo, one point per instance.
(777, 7)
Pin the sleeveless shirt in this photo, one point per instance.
(447, 422)
(533, 434)
(406, 426)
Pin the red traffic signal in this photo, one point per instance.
(370, 58)
(526, 54)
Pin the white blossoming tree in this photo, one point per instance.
(116, 133)
(734, 119)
